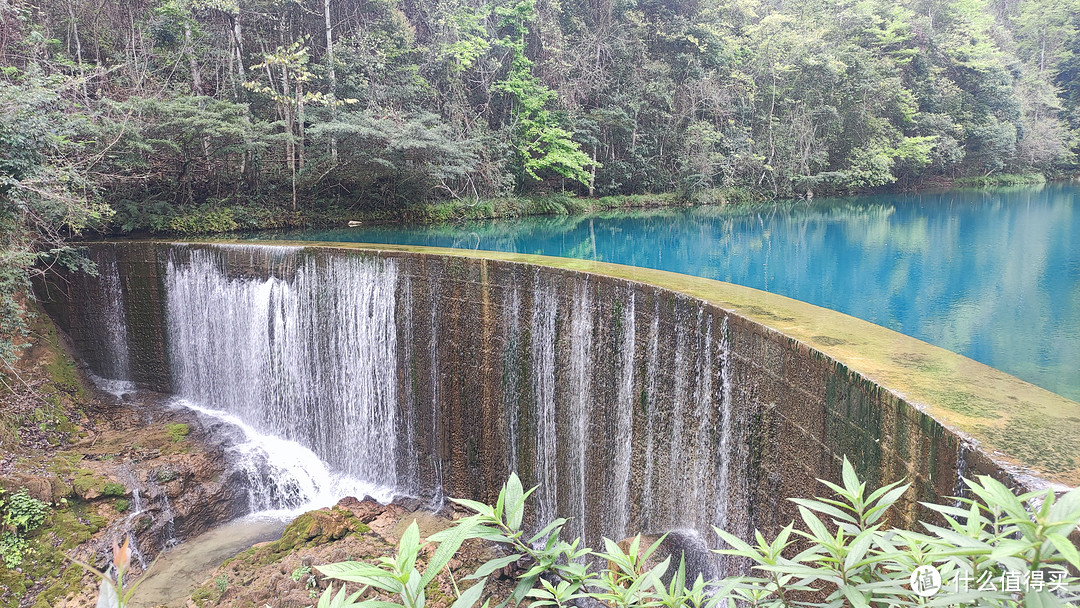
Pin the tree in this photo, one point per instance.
(541, 144)
(44, 196)
(286, 76)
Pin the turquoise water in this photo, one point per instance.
(993, 275)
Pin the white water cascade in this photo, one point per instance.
(306, 365)
(345, 374)
(624, 426)
(543, 356)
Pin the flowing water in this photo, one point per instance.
(329, 374)
(172, 578)
(337, 375)
(993, 275)
(301, 360)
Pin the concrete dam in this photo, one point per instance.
(638, 401)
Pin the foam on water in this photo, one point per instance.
(285, 478)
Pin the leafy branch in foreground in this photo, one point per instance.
(995, 548)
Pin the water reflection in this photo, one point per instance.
(991, 275)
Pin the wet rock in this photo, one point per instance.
(286, 572)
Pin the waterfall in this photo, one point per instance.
(511, 316)
(283, 476)
(345, 372)
(703, 409)
(545, 305)
(117, 363)
(435, 434)
(677, 455)
(624, 426)
(409, 467)
(309, 359)
(652, 365)
(580, 399)
(723, 485)
(337, 374)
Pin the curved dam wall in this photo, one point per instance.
(635, 407)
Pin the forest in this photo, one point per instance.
(190, 116)
(145, 105)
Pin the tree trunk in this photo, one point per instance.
(333, 77)
(78, 50)
(592, 173)
(300, 124)
(196, 78)
(238, 50)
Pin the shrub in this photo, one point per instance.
(841, 555)
(19, 514)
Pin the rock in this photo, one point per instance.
(678, 544)
(365, 510)
(40, 488)
(409, 503)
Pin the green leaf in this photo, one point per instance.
(408, 548)
(557, 523)
(856, 597)
(470, 596)
(734, 541)
(515, 502)
(448, 546)
(889, 499)
(479, 507)
(820, 533)
(356, 572)
(827, 509)
(858, 548)
(1041, 599)
(523, 587)
(851, 480)
(374, 604)
(1065, 548)
(1067, 508)
(493, 565)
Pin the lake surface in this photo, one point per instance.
(993, 275)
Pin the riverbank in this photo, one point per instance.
(240, 216)
(213, 219)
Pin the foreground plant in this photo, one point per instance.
(994, 549)
(111, 592)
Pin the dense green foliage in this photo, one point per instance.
(844, 554)
(19, 514)
(43, 188)
(380, 103)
